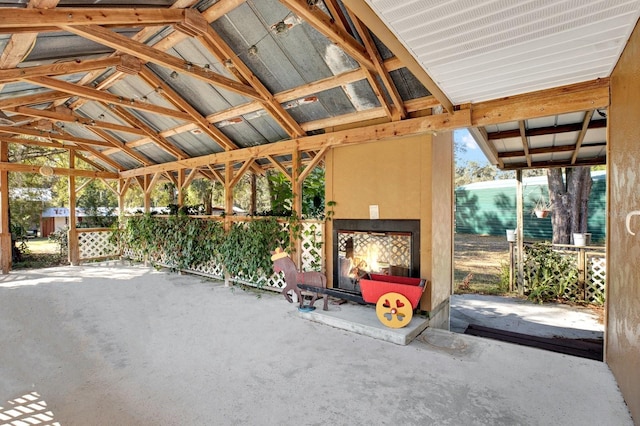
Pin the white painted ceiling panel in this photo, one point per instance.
(477, 50)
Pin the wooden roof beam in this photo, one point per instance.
(525, 141)
(34, 99)
(219, 48)
(62, 68)
(214, 133)
(369, 44)
(363, 11)
(58, 171)
(19, 45)
(420, 125)
(74, 118)
(121, 146)
(152, 134)
(52, 136)
(36, 18)
(550, 130)
(595, 161)
(547, 150)
(116, 41)
(584, 96)
(97, 95)
(582, 134)
(328, 27)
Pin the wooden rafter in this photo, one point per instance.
(53, 136)
(408, 127)
(108, 98)
(20, 44)
(14, 74)
(547, 150)
(224, 53)
(59, 171)
(369, 44)
(313, 163)
(69, 117)
(37, 18)
(550, 130)
(34, 99)
(152, 134)
(122, 147)
(582, 134)
(116, 41)
(154, 81)
(362, 10)
(525, 141)
(327, 26)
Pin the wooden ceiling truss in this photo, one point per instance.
(308, 141)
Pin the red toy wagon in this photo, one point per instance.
(395, 297)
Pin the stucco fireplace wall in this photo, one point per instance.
(406, 178)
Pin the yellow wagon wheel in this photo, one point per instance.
(394, 310)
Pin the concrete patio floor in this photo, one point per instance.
(109, 344)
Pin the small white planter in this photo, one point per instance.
(511, 235)
(579, 240)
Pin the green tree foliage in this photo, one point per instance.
(312, 194)
(99, 204)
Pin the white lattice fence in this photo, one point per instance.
(312, 246)
(596, 277)
(94, 244)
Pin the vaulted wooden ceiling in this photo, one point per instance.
(159, 86)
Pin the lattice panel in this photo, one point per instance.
(596, 277)
(133, 254)
(592, 289)
(393, 249)
(211, 269)
(96, 244)
(312, 246)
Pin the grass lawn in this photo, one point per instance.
(482, 257)
(40, 253)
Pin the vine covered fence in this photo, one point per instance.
(169, 246)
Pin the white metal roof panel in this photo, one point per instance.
(477, 50)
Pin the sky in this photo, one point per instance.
(473, 152)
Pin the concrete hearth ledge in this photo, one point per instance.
(362, 319)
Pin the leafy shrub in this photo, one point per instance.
(548, 273)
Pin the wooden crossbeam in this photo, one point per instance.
(550, 130)
(59, 171)
(108, 98)
(582, 134)
(116, 41)
(420, 125)
(62, 68)
(152, 134)
(525, 141)
(35, 99)
(224, 53)
(546, 150)
(53, 136)
(326, 26)
(214, 133)
(34, 19)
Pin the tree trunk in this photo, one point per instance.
(569, 195)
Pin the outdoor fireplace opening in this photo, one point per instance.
(386, 247)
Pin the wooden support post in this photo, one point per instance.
(228, 207)
(6, 245)
(180, 189)
(511, 265)
(296, 205)
(520, 230)
(147, 193)
(74, 248)
(253, 203)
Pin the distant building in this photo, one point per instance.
(489, 208)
